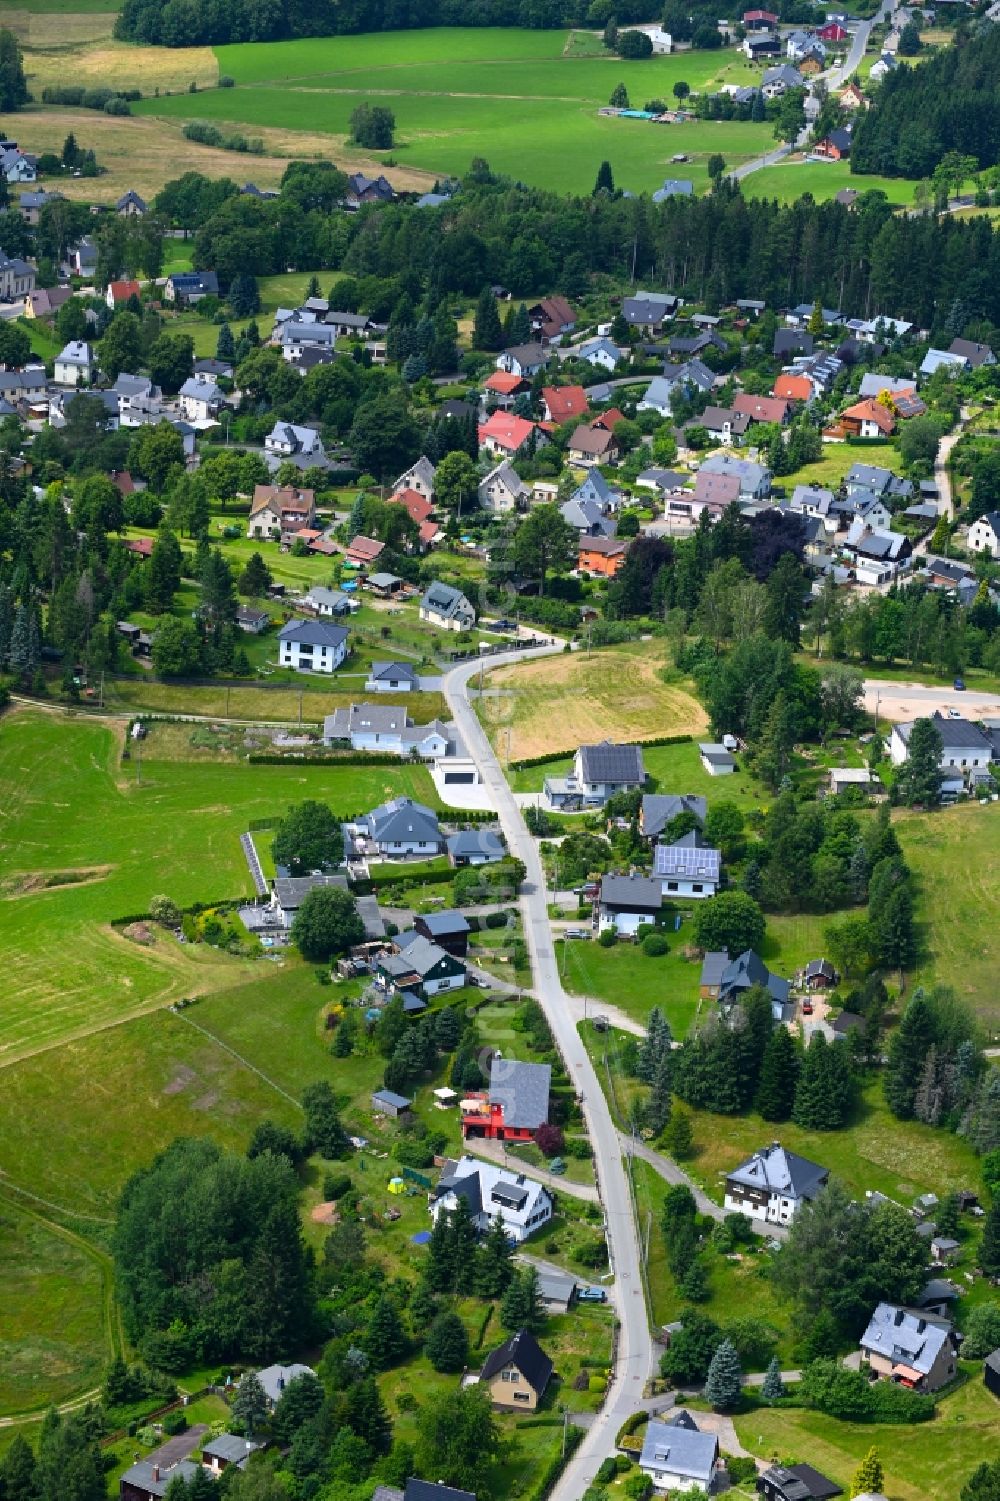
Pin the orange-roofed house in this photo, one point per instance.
(141, 545)
(868, 419)
(119, 292)
(364, 551)
(793, 388)
(503, 389)
(416, 506)
(761, 408)
(602, 556)
(563, 403)
(507, 435)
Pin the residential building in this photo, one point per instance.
(773, 1184)
(504, 434)
(503, 490)
(254, 622)
(797, 1483)
(130, 205)
(755, 479)
(289, 892)
(275, 1378)
(277, 511)
(836, 146)
(517, 1374)
(592, 445)
(975, 355)
(777, 81)
(416, 506)
(762, 44)
(628, 902)
(743, 973)
(362, 190)
(674, 187)
(965, 747)
(191, 286)
(677, 1456)
(515, 1105)
(419, 477)
(724, 423)
(76, 364)
(329, 604)
(228, 1449)
(603, 353)
(392, 677)
(501, 389)
(908, 1347)
(363, 551)
(943, 359)
(991, 1373)
(984, 534)
(761, 408)
(868, 418)
(819, 974)
(844, 777)
(387, 728)
(760, 20)
(290, 440)
(16, 166)
(716, 759)
(119, 292)
(556, 1291)
(601, 557)
(421, 1490)
(597, 490)
(45, 301)
(475, 847)
(419, 967)
(17, 278)
(448, 929)
(689, 867)
(602, 769)
(447, 607)
(523, 1205)
(312, 646)
(401, 828)
(524, 360)
(649, 311)
(147, 1480)
(199, 399)
(657, 810)
(551, 318)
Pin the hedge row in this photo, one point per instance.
(632, 1422)
(529, 761)
(555, 1467)
(392, 878)
(336, 758)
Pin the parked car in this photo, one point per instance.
(577, 933)
(959, 685)
(592, 1295)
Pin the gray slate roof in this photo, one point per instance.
(275, 1378)
(231, 1448)
(680, 1451)
(470, 843)
(631, 893)
(905, 1338)
(313, 633)
(749, 969)
(658, 810)
(392, 672)
(523, 1351)
(403, 820)
(444, 600)
(781, 1171)
(523, 1091)
(445, 924)
(141, 1475)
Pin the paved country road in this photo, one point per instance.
(636, 1352)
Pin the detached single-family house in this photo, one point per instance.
(506, 435)
(836, 146)
(278, 511)
(551, 318)
(607, 768)
(523, 359)
(76, 364)
(226, 1450)
(16, 166)
(329, 604)
(119, 292)
(648, 311)
(773, 1184)
(523, 1205)
(448, 929)
(592, 445)
(312, 646)
(517, 1374)
(515, 1106)
(914, 1349)
(191, 286)
(603, 353)
(475, 847)
(291, 440)
(275, 1378)
(130, 205)
(289, 892)
(401, 828)
(503, 490)
(762, 44)
(984, 534)
(689, 867)
(419, 967)
(942, 359)
(147, 1480)
(563, 403)
(677, 1456)
(447, 607)
(626, 902)
(658, 809)
(392, 677)
(601, 557)
(746, 971)
(199, 398)
(869, 418)
(755, 479)
(761, 408)
(388, 728)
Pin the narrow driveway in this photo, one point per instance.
(493, 1151)
(946, 501)
(636, 1353)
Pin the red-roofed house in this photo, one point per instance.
(119, 292)
(761, 408)
(417, 506)
(793, 388)
(429, 532)
(608, 419)
(759, 20)
(502, 389)
(507, 435)
(364, 551)
(562, 403)
(868, 419)
(832, 32)
(142, 545)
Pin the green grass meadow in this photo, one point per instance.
(514, 97)
(790, 180)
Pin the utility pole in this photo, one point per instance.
(300, 706)
(138, 763)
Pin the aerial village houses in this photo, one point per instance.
(772, 1184)
(515, 1105)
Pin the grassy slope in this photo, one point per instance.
(823, 180)
(519, 100)
(191, 815)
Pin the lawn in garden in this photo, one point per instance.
(791, 180)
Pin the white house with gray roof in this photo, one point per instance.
(199, 398)
(400, 829)
(447, 607)
(628, 902)
(984, 534)
(965, 748)
(290, 440)
(523, 1205)
(275, 1378)
(688, 867)
(772, 1184)
(392, 677)
(75, 364)
(503, 490)
(387, 727)
(677, 1456)
(312, 645)
(912, 1348)
(755, 479)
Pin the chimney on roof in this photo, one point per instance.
(156, 1472)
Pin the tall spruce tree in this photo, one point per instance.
(724, 1382)
(778, 1077)
(487, 329)
(773, 1388)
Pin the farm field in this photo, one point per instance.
(928, 1460)
(73, 814)
(521, 99)
(561, 702)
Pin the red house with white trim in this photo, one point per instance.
(515, 1105)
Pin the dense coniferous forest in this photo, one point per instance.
(949, 103)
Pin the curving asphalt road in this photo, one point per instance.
(636, 1352)
(895, 700)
